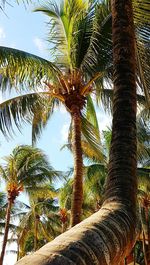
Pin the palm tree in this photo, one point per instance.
(25, 168)
(107, 236)
(38, 226)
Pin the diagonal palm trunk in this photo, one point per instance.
(108, 235)
(8, 211)
(77, 198)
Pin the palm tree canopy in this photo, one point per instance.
(27, 167)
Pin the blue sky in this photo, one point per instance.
(22, 29)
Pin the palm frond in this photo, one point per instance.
(2, 199)
(40, 194)
(3, 175)
(42, 115)
(33, 166)
(91, 114)
(64, 194)
(143, 141)
(62, 19)
(82, 32)
(94, 169)
(20, 206)
(24, 70)
(34, 108)
(17, 110)
(92, 138)
(57, 34)
(99, 54)
(28, 168)
(142, 25)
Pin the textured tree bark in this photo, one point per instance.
(77, 197)
(6, 231)
(108, 235)
(121, 181)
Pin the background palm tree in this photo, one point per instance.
(40, 225)
(25, 168)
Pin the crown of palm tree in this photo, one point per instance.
(25, 168)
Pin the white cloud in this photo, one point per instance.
(39, 44)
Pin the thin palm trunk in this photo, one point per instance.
(8, 212)
(77, 197)
(108, 235)
(36, 222)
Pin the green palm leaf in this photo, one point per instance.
(92, 138)
(16, 110)
(42, 114)
(62, 20)
(29, 167)
(82, 32)
(19, 68)
(91, 114)
(35, 108)
(99, 53)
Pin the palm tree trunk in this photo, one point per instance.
(6, 231)
(121, 183)
(77, 197)
(108, 235)
(36, 222)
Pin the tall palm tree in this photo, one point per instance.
(107, 236)
(25, 168)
